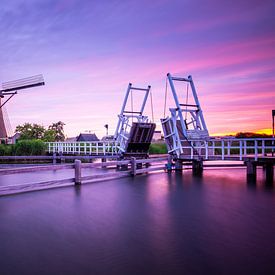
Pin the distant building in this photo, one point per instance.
(87, 137)
(71, 139)
(107, 138)
(14, 138)
(157, 136)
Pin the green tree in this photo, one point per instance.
(49, 136)
(30, 131)
(58, 129)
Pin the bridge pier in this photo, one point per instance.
(269, 173)
(251, 171)
(178, 165)
(197, 167)
(169, 164)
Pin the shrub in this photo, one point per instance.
(2, 149)
(158, 148)
(29, 148)
(6, 150)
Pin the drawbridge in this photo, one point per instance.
(134, 131)
(185, 133)
(133, 134)
(185, 128)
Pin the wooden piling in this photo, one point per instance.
(251, 170)
(133, 166)
(62, 160)
(178, 165)
(77, 167)
(197, 167)
(103, 160)
(269, 173)
(169, 163)
(54, 158)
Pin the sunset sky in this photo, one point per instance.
(88, 52)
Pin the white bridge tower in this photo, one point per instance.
(186, 123)
(134, 132)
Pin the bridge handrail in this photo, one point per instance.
(253, 147)
(105, 147)
(230, 139)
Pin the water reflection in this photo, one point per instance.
(77, 189)
(156, 224)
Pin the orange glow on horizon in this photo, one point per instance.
(267, 131)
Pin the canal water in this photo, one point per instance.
(155, 224)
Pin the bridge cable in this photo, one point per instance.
(132, 105)
(165, 98)
(152, 108)
(187, 90)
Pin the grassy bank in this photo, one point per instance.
(158, 148)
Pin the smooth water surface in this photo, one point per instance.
(155, 224)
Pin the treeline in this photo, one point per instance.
(251, 135)
(28, 131)
(24, 148)
(32, 138)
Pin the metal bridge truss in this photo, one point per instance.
(186, 122)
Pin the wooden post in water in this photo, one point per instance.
(133, 166)
(77, 169)
(197, 167)
(169, 163)
(103, 160)
(178, 165)
(251, 170)
(62, 160)
(269, 173)
(54, 158)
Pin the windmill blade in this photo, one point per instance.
(7, 122)
(23, 83)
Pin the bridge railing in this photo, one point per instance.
(227, 148)
(86, 148)
(131, 167)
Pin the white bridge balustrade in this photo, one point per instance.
(84, 148)
(210, 149)
(226, 148)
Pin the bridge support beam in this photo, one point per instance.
(169, 164)
(197, 167)
(178, 165)
(133, 166)
(251, 170)
(269, 173)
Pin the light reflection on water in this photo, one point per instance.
(156, 224)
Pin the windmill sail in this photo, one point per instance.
(3, 131)
(9, 89)
(23, 83)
